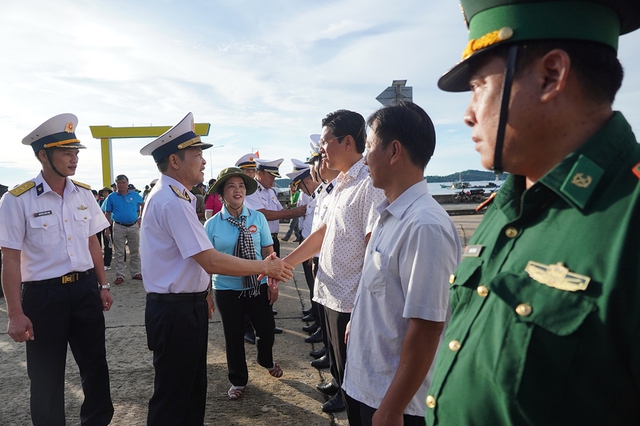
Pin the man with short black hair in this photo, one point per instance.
(123, 208)
(342, 238)
(546, 303)
(414, 248)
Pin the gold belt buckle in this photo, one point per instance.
(66, 279)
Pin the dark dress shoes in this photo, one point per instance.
(320, 363)
(318, 353)
(308, 318)
(328, 388)
(311, 328)
(334, 405)
(277, 330)
(250, 338)
(315, 337)
(306, 312)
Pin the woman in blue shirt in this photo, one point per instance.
(244, 233)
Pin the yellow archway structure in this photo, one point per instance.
(106, 133)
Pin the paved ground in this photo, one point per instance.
(291, 400)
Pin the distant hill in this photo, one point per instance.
(467, 176)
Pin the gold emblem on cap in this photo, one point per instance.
(581, 180)
(557, 276)
(193, 125)
(68, 127)
(487, 40)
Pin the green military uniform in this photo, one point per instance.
(518, 351)
(545, 325)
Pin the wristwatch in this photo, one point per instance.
(107, 286)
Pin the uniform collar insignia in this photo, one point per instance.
(182, 195)
(330, 188)
(39, 189)
(557, 276)
(582, 181)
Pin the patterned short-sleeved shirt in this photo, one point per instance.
(351, 214)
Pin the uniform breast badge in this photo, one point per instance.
(82, 207)
(557, 276)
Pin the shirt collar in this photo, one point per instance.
(576, 178)
(352, 173)
(224, 212)
(401, 204)
(69, 186)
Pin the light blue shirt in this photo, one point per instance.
(224, 236)
(123, 208)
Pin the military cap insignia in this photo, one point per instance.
(21, 189)
(81, 185)
(182, 195)
(68, 127)
(557, 276)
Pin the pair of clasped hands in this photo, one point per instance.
(277, 270)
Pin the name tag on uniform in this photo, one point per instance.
(44, 213)
(472, 251)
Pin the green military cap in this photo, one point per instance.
(494, 23)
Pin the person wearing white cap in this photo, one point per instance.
(265, 199)
(54, 279)
(177, 258)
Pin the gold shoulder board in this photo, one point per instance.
(184, 195)
(82, 185)
(21, 189)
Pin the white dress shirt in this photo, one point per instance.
(51, 231)
(170, 235)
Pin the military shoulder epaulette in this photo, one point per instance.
(81, 185)
(21, 189)
(182, 195)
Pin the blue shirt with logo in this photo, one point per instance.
(224, 236)
(123, 208)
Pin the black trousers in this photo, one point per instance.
(335, 327)
(276, 244)
(177, 333)
(366, 414)
(61, 314)
(232, 307)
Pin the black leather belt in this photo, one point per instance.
(177, 297)
(125, 224)
(71, 277)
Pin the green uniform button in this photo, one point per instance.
(431, 401)
(511, 232)
(452, 279)
(454, 345)
(483, 291)
(523, 309)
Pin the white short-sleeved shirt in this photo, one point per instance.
(305, 222)
(50, 231)
(351, 214)
(170, 234)
(267, 199)
(413, 250)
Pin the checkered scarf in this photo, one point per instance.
(245, 250)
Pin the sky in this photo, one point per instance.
(262, 73)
